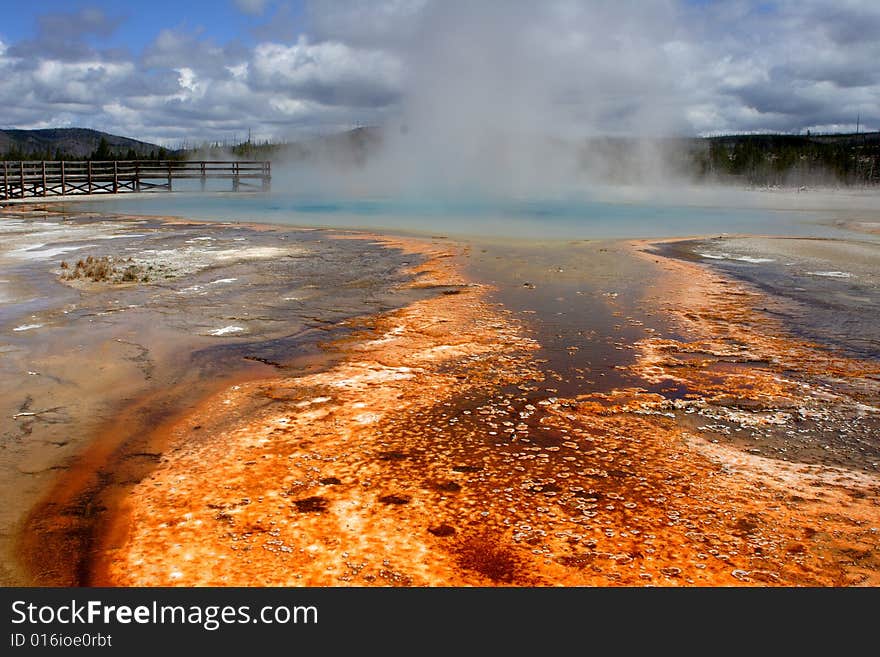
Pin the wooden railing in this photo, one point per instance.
(63, 178)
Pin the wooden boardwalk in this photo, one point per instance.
(63, 178)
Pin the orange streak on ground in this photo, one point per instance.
(417, 460)
(59, 532)
(302, 487)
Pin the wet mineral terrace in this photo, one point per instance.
(91, 370)
(591, 415)
(831, 287)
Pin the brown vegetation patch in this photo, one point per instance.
(105, 269)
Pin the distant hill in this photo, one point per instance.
(71, 143)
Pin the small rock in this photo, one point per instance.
(442, 530)
(314, 504)
(395, 499)
(671, 571)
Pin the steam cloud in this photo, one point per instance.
(499, 96)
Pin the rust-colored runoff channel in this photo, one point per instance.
(435, 450)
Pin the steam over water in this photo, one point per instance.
(497, 219)
(496, 125)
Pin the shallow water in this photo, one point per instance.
(561, 219)
(832, 287)
(539, 236)
(581, 301)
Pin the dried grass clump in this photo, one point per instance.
(103, 269)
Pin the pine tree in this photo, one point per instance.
(103, 150)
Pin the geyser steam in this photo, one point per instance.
(500, 98)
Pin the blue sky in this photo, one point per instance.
(202, 70)
(142, 20)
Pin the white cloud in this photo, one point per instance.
(78, 82)
(239, 71)
(330, 73)
(252, 7)
(367, 23)
(557, 66)
(188, 82)
(288, 106)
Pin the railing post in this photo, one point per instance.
(137, 176)
(89, 183)
(235, 179)
(204, 176)
(169, 175)
(5, 179)
(43, 162)
(21, 176)
(115, 177)
(267, 176)
(63, 179)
